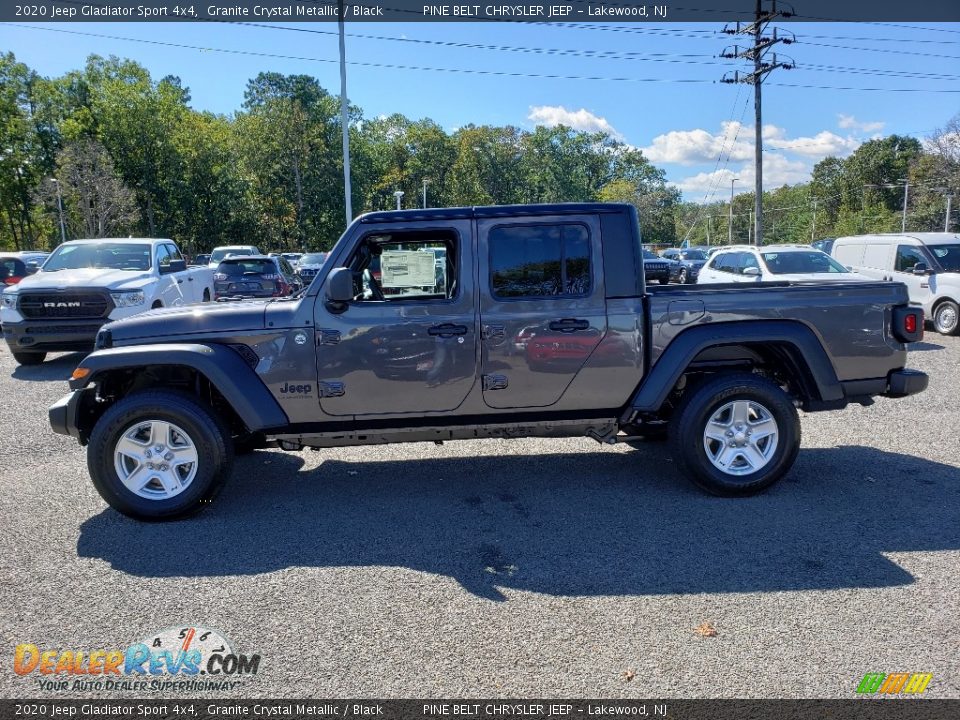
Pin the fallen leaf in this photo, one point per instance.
(705, 630)
(629, 674)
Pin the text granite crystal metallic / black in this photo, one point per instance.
(510, 321)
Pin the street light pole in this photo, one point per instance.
(344, 121)
(946, 219)
(906, 194)
(730, 223)
(63, 230)
(424, 193)
(398, 194)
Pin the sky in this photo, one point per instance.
(654, 86)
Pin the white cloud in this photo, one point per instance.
(777, 170)
(695, 147)
(818, 146)
(849, 122)
(582, 119)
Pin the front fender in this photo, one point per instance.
(219, 364)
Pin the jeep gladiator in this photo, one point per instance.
(506, 322)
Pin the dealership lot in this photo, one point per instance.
(510, 568)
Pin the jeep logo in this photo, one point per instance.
(71, 304)
(293, 389)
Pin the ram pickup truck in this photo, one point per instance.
(417, 353)
(87, 283)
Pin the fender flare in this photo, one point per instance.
(222, 366)
(673, 362)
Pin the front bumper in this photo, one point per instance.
(52, 335)
(66, 413)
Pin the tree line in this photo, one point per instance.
(122, 153)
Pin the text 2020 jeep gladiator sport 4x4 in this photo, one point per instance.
(462, 323)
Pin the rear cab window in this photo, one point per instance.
(536, 261)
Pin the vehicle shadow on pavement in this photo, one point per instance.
(923, 347)
(599, 523)
(56, 369)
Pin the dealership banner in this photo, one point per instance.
(467, 709)
(595, 11)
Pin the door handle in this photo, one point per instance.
(447, 330)
(190, 279)
(569, 325)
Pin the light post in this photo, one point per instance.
(425, 181)
(946, 219)
(906, 194)
(63, 230)
(398, 194)
(730, 222)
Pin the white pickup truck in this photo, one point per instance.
(87, 283)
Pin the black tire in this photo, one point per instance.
(700, 404)
(946, 318)
(682, 278)
(665, 281)
(156, 304)
(29, 358)
(206, 295)
(207, 432)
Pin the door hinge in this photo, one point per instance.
(495, 382)
(331, 388)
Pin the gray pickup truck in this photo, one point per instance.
(463, 323)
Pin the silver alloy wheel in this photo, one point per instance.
(740, 437)
(945, 318)
(155, 459)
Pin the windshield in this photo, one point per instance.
(106, 255)
(693, 255)
(649, 255)
(220, 253)
(947, 255)
(799, 262)
(313, 259)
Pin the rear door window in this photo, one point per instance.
(535, 261)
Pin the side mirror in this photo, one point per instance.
(174, 267)
(752, 272)
(339, 286)
(920, 269)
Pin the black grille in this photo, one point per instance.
(62, 330)
(65, 305)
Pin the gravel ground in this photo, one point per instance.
(510, 568)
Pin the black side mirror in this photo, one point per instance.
(339, 289)
(920, 269)
(173, 267)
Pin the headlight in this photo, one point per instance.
(9, 300)
(128, 299)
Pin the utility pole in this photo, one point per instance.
(345, 120)
(63, 231)
(761, 69)
(730, 221)
(813, 226)
(708, 230)
(946, 219)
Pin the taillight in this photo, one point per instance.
(12, 280)
(220, 276)
(908, 324)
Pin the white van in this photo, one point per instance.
(928, 263)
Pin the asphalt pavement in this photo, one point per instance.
(540, 568)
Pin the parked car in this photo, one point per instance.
(86, 283)
(725, 369)
(202, 259)
(219, 253)
(824, 245)
(656, 267)
(309, 265)
(794, 263)
(927, 263)
(689, 261)
(33, 259)
(293, 258)
(254, 276)
(12, 270)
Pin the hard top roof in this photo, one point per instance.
(491, 211)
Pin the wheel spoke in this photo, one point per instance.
(184, 455)
(137, 479)
(716, 431)
(763, 428)
(741, 412)
(728, 456)
(753, 456)
(131, 448)
(169, 480)
(160, 432)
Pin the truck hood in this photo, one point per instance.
(86, 278)
(205, 319)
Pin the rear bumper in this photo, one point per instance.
(52, 335)
(899, 383)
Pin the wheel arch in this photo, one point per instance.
(217, 374)
(789, 347)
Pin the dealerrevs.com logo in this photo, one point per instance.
(179, 658)
(894, 683)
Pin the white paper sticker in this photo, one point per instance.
(407, 268)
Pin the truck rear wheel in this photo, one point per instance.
(158, 455)
(735, 435)
(29, 358)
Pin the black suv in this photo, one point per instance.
(254, 276)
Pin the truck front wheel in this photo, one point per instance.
(946, 318)
(29, 358)
(158, 455)
(735, 435)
